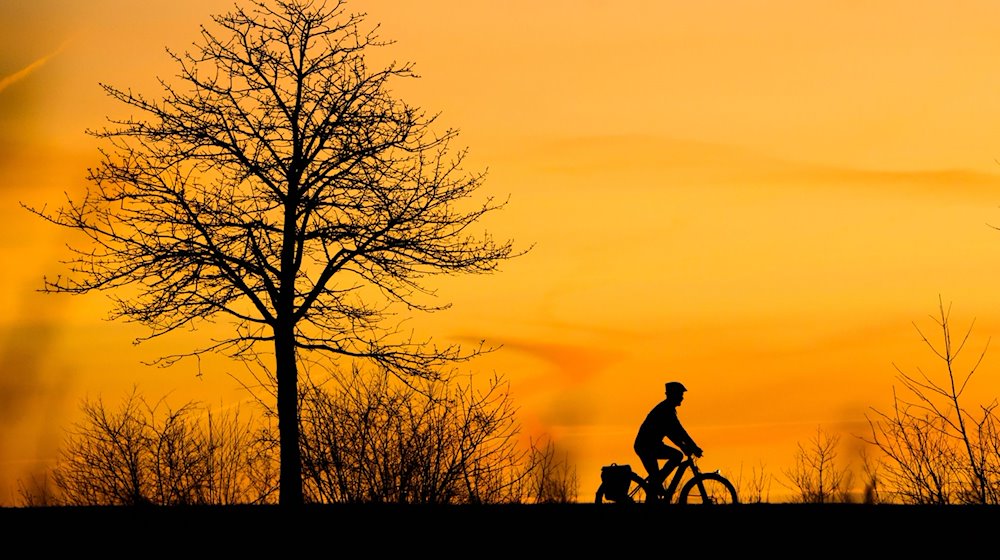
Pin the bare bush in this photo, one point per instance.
(870, 468)
(37, 491)
(142, 454)
(933, 450)
(753, 487)
(551, 478)
(815, 477)
(442, 442)
(372, 440)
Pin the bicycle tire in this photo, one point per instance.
(636, 492)
(708, 489)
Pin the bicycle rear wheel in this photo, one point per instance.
(636, 492)
(708, 489)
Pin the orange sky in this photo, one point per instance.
(755, 198)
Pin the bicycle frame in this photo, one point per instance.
(705, 487)
(675, 480)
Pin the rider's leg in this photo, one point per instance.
(650, 459)
(651, 464)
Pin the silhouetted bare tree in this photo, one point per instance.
(934, 451)
(280, 185)
(153, 454)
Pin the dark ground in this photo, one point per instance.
(514, 531)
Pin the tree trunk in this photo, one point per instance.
(290, 485)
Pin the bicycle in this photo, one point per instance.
(701, 488)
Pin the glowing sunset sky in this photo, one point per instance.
(758, 199)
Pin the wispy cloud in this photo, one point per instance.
(643, 161)
(11, 79)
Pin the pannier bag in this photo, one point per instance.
(615, 480)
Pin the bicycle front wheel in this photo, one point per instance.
(708, 489)
(636, 492)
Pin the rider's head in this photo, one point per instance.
(675, 390)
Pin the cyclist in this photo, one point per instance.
(662, 422)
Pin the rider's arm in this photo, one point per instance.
(685, 442)
(677, 434)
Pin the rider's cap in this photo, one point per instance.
(674, 387)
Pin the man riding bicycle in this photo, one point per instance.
(662, 422)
